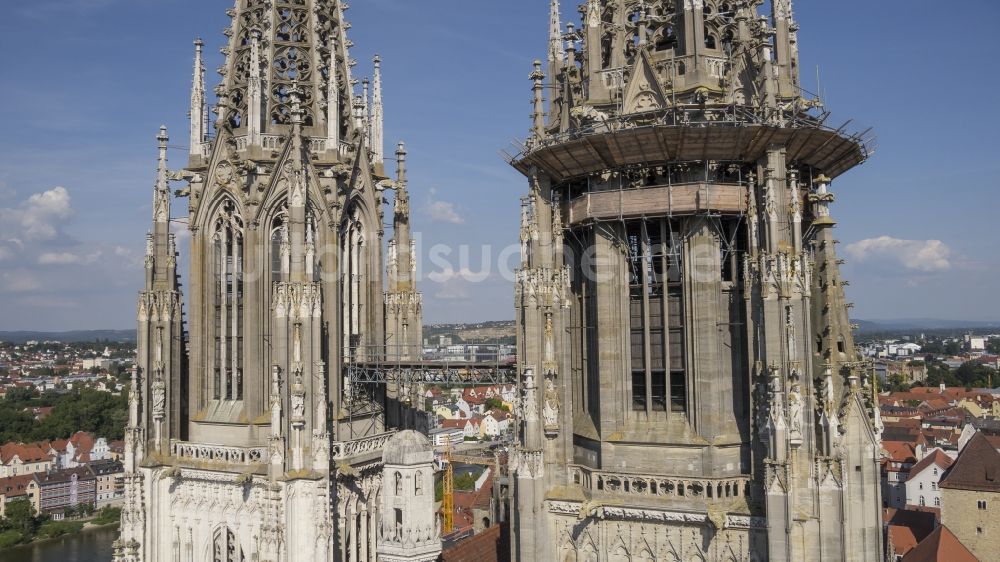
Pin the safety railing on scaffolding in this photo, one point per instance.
(473, 365)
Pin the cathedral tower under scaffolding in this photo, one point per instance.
(690, 385)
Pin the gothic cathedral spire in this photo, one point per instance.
(244, 400)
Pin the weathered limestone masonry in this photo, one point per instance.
(690, 387)
(240, 443)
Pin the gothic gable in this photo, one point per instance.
(644, 92)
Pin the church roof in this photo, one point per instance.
(977, 467)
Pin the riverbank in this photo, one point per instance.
(38, 529)
(92, 544)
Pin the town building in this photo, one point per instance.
(110, 485)
(690, 384)
(60, 490)
(970, 497)
(898, 459)
(15, 488)
(923, 479)
(18, 459)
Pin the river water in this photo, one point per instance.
(88, 546)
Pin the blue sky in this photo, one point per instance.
(85, 84)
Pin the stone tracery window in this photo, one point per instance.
(658, 373)
(225, 547)
(227, 263)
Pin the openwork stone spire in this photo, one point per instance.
(285, 45)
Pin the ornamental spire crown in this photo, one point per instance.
(710, 52)
(276, 47)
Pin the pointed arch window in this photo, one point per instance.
(227, 262)
(225, 547)
(355, 298)
(280, 247)
(399, 484)
(418, 484)
(710, 41)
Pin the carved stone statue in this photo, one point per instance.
(795, 411)
(298, 399)
(550, 409)
(530, 408)
(159, 398)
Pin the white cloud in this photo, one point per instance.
(18, 281)
(915, 255)
(447, 274)
(67, 258)
(442, 211)
(40, 217)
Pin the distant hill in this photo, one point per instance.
(492, 331)
(68, 337)
(921, 324)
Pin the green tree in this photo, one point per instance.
(993, 346)
(21, 518)
(897, 383)
(19, 396)
(496, 404)
(974, 374)
(10, 538)
(938, 373)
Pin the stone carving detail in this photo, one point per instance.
(795, 410)
(183, 450)
(530, 402)
(346, 449)
(528, 464)
(543, 287)
(550, 410)
(298, 400)
(159, 398)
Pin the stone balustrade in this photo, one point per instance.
(365, 445)
(603, 482)
(217, 453)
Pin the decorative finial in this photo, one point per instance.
(401, 165)
(555, 35)
(538, 117)
(295, 94)
(161, 195)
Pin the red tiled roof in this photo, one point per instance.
(900, 451)
(488, 546)
(15, 486)
(977, 467)
(937, 457)
(499, 415)
(28, 453)
(902, 538)
(940, 546)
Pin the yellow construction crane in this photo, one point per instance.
(448, 495)
(448, 492)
